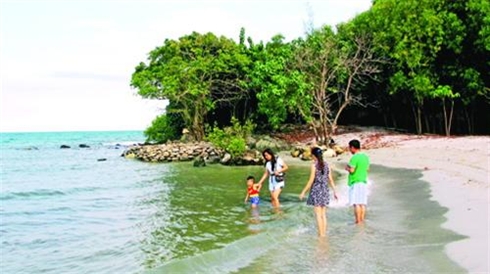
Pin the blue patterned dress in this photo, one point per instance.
(319, 192)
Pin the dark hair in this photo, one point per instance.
(251, 178)
(355, 144)
(319, 155)
(273, 158)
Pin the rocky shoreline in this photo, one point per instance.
(297, 143)
(201, 153)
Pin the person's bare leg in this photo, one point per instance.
(357, 213)
(319, 220)
(363, 212)
(324, 215)
(275, 197)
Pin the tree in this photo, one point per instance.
(333, 70)
(280, 89)
(412, 33)
(197, 72)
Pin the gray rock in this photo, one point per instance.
(226, 159)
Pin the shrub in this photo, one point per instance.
(162, 129)
(233, 138)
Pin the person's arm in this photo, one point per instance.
(332, 183)
(309, 183)
(351, 167)
(284, 168)
(246, 197)
(266, 174)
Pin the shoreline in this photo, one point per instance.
(457, 170)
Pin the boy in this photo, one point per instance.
(252, 192)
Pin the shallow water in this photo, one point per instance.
(62, 211)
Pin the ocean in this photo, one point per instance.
(89, 210)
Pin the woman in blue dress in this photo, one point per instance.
(319, 196)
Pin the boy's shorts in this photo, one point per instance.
(254, 200)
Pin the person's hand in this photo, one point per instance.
(245, 201)
(335, 196)
(301, 196)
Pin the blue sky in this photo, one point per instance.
(66, 65)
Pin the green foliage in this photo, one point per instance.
(279, 87)
(435, 53)
(162, 129)
(193, 72)
(233, 138)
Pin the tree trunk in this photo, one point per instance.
(451, 117)
(427, 124)
(469, 120)
(417, 111)
(447, 119)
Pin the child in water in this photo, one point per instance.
(252, 192)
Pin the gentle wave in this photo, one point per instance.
(44, 193)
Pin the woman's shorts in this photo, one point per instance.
(358, 194)
(273, 185)
(254, 200)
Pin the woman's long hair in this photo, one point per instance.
(273, 158)
(319, 156)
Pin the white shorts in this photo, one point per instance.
(358, 194)
(274, 186)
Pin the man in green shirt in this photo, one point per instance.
(358, 168)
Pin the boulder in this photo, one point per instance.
(83, 146)
(338, 149)
(64, 146)
(329, 153)
(199, 162)
(226, 159)
(306, 155)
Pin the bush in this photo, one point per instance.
(231, 139)
(162, 129)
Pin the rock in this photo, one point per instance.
(64, 146)
(129, 155)
(214, 160)
(329, 153)
(338, 149)
(184, 157)
(296, 152)
(251, 142)
(101, 160)
(226, 159)
(83, 146)
(306, 155)
(199, 162)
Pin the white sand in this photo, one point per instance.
(457, 170)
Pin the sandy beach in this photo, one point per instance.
(457, 169)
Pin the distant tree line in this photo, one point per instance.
(420, 66)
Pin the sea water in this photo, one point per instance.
(67, 211)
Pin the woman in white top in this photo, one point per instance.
(274, 169)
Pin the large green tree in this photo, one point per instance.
(279, 88)
(197, 72)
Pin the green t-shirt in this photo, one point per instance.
(360, 163)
